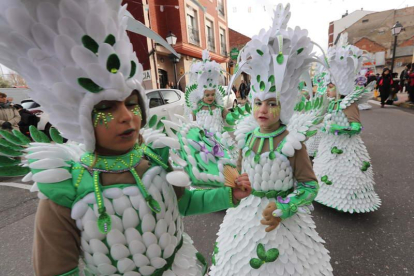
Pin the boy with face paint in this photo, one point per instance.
(262, 235)
(106, 199)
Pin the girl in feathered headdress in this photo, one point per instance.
(110, 199)
(271, 232)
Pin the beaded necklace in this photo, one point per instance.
(256, 134)
(119, 164)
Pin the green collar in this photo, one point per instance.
(201, 104)
(256, 134)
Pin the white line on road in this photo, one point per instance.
(16, 185)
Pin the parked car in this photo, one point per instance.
(165, 103)
(34, 108)
(230, 100)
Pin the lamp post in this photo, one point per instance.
(172, 39)
(395, 30)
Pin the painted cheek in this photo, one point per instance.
(101, 118)
(275, 111)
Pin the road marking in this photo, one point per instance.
(16, 185)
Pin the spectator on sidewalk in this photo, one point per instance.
(404, 79)
(27, 119)
(371, 78)
(9, 116)
(384, 85)
(242, 89)
(411, 84)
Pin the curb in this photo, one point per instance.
(403, 105)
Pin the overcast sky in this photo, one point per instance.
(313, 15)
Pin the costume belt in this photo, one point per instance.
(272, 193)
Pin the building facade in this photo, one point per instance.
(237, 41)
(198, 25)
(372, 33)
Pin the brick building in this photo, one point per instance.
(372, 32)
(237, 41)
(196, 29)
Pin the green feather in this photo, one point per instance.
(10, 137)
(23, 138)
(14, 171)
(261, 252)
(256, 263)
(9, 145)
(38, 136)
(55, 135)
(89, 85)
(133, 69)
(90, 44)
(9, 152)
(113, 64)
(7, 162)
(272, 255)
(110, 39)
(152, 121)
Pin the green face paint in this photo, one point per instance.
(101, 118)
(137, 111)
(275, 111)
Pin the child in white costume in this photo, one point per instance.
(108, 200)
(276, 161)
(204, 95)
(342, 164)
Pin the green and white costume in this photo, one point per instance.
(275, 59)
(75, 54)
(343, 164)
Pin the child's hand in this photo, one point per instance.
(269, 219)
(243, 188)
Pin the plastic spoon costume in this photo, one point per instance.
(75, 54)
(343, 164)
(275, 60)
(204, 75)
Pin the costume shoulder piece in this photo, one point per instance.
(360, 95)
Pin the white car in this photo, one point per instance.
(34, 108)
(230, 100)
(165, 102)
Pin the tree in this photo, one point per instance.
(4, 83)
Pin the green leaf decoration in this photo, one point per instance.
(261, 252)
(272, 255)
(110, 39)
(201, 258)
(55, 135)
(254, 89)
(160, 125)
(335, 150)
(300, 50)
(258, 78)
(272, 155)
(308, 106)
(152, 121)
(228, 129)
(133, 69)
(316, 104)
(311, 133)
(326, 180)
(9, 145)
(14, 171)
(248, 152)
(260, 52)
(113, 64)
(301, 106)
(38, 136)
(257, 158)
(271, 79)
(341, 58)
(262, 86)
(90, 44)
(365, 166)
(247, 107)
(23, 138)
(280, 58)
(10, 137)
(89, 85)
(256, 263)
(235, 115)
(104, 223)
(9, 152)
(272, 88)
(7, 162)
(239, 110)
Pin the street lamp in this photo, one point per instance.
(172, 39)
(395, 30)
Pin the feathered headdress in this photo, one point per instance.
(275, 60)
(73, 54)
(204, 75)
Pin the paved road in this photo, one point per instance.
(379, 243)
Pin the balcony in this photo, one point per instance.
(210, 44)
(223, 49)
(220, 9)
(193, 35)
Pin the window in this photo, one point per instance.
(154, 99)
(220, 7)
(170, 96)
(192, 26)
(210, 35)
(223, 44)
(30, 104)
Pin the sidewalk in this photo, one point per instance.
(402, 101)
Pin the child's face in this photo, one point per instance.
(266, 113)
(331, 90)
(209, 96)
(117, 125)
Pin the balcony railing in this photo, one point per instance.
(223, 49)
(220, 9)
(210, 43)
(193, 35)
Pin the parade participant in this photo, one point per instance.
(108, 199)
(9, 116)
(385, 83)
(204, 95)
(342, 164)
(284, 241)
